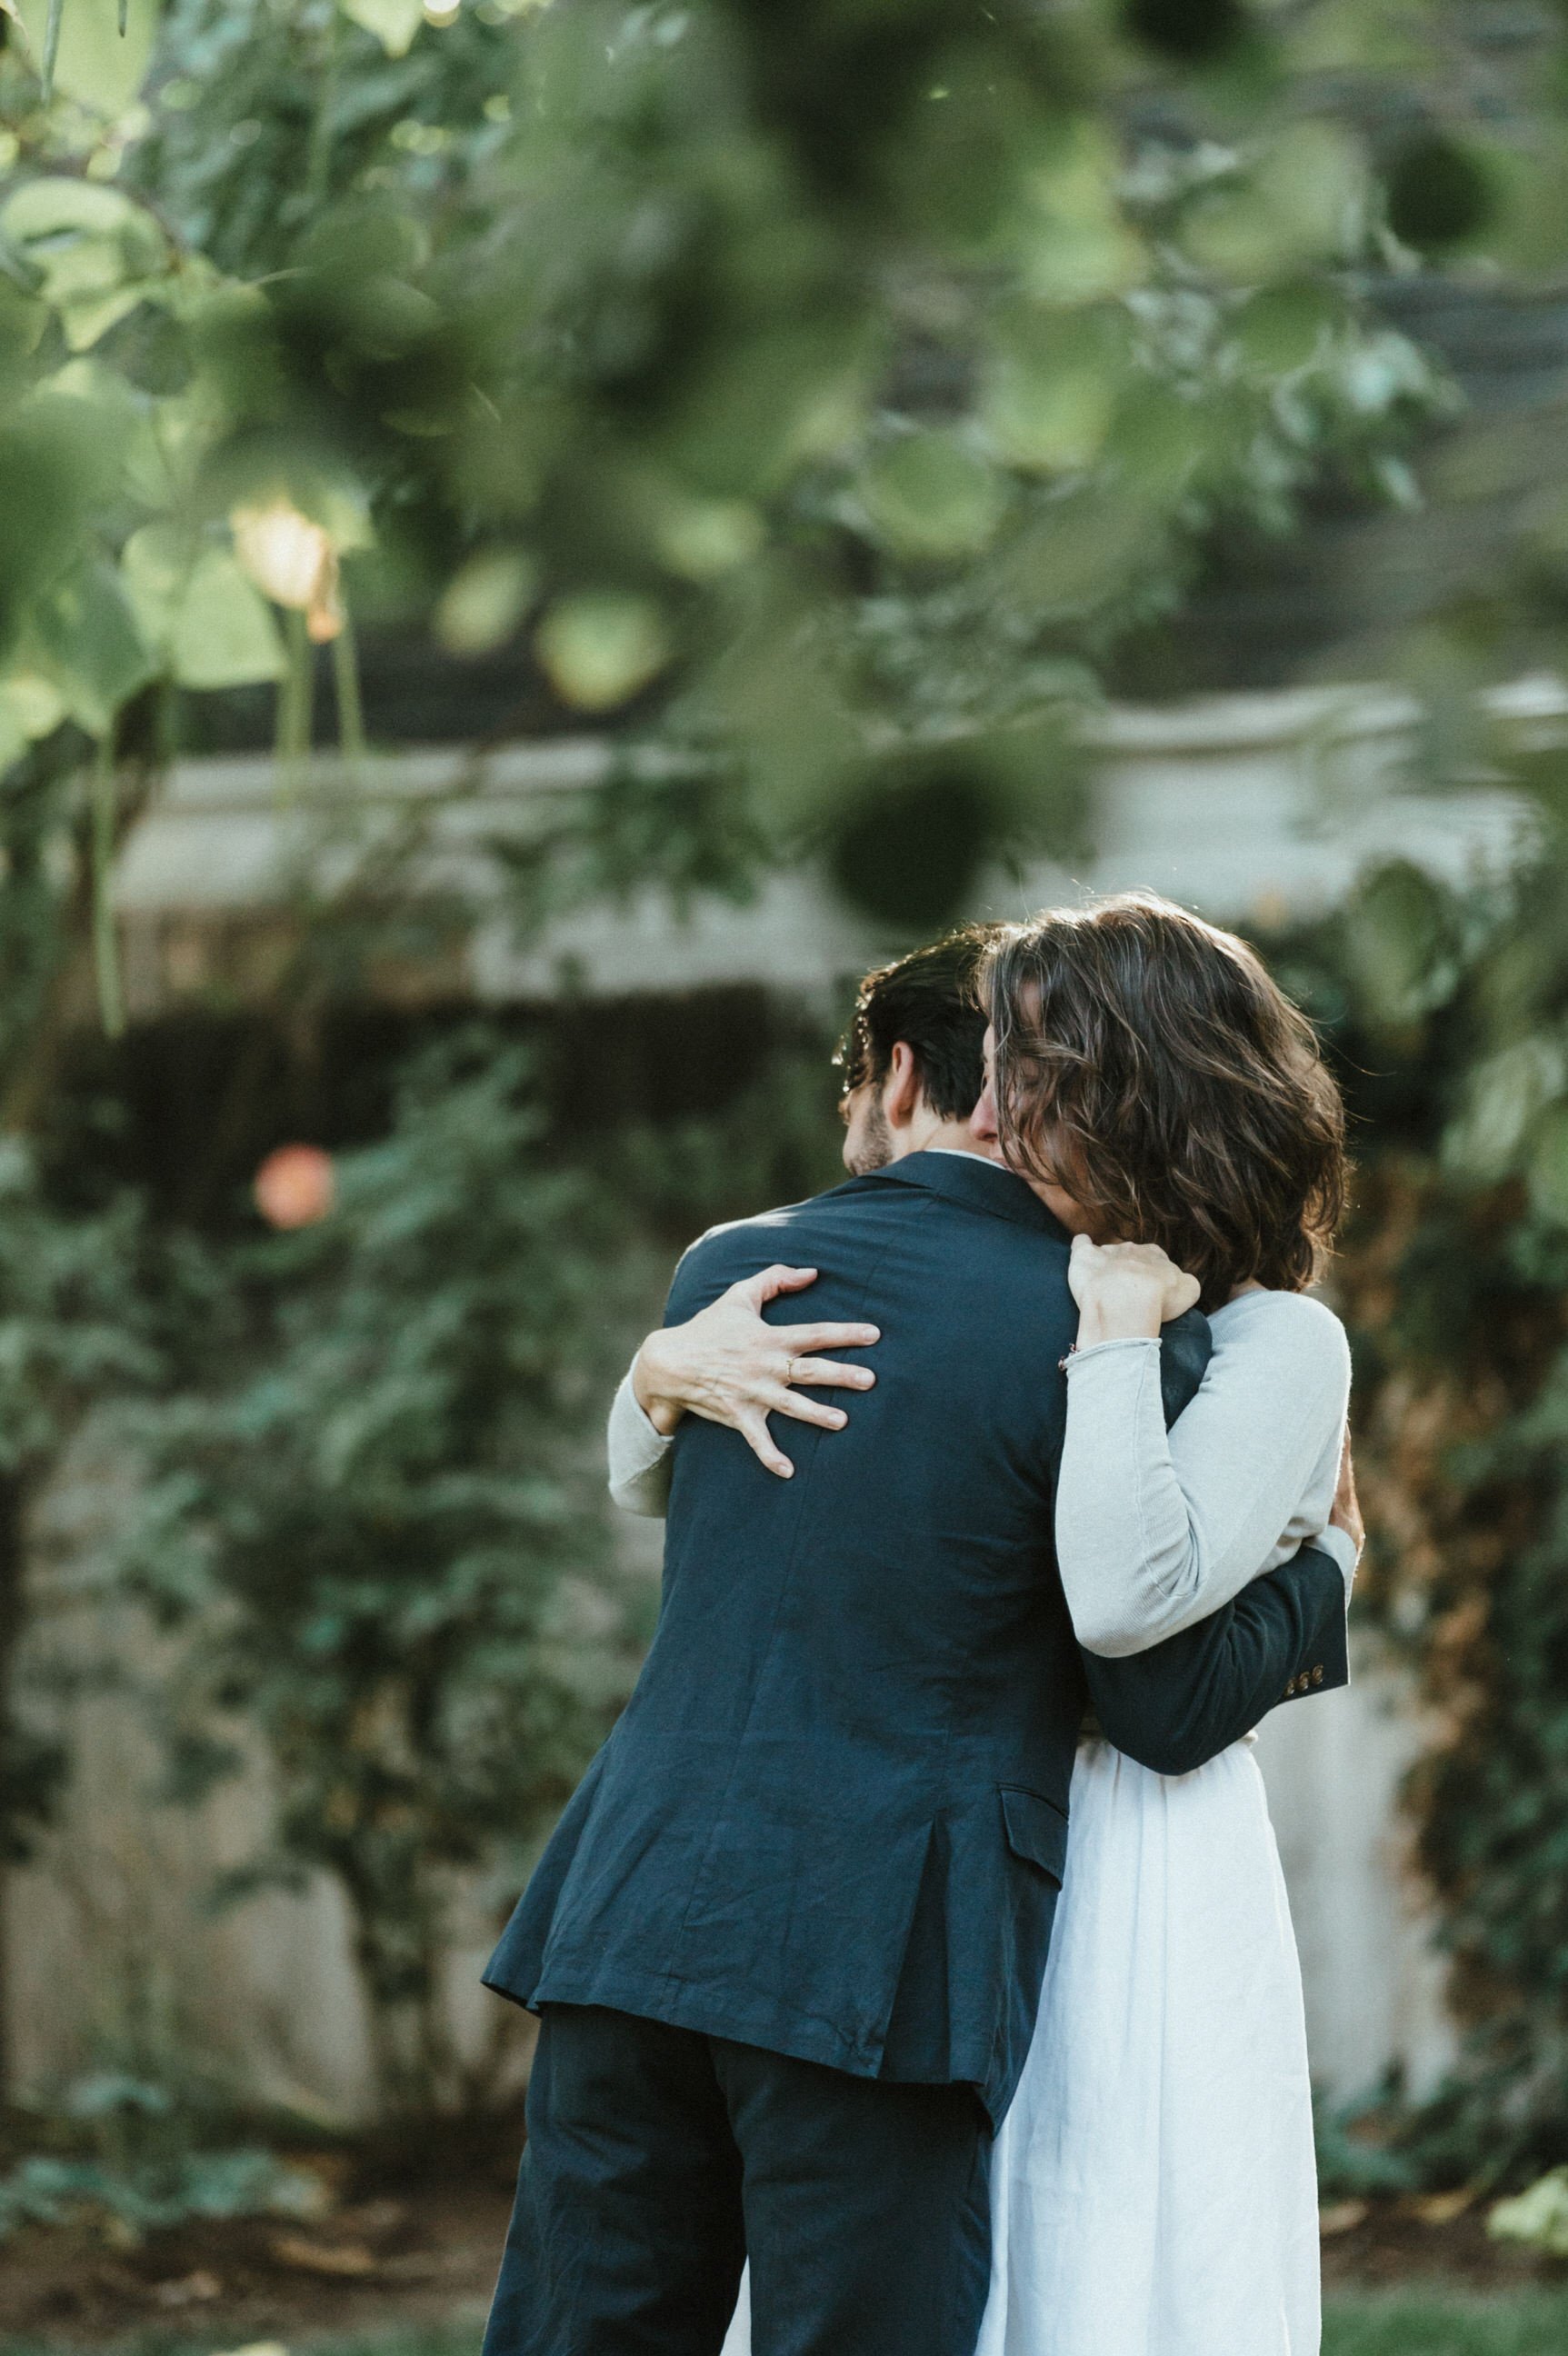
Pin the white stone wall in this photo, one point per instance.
(1250, 808)
(1372, 1978)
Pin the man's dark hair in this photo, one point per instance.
(931, 1000)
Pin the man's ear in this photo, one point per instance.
(901, 1091)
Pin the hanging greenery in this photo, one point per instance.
(1450, 1011)
(384, 1547)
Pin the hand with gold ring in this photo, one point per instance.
(730, 1365)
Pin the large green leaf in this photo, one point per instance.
(224, 634)
(1050, 386)
(14, 734)
(600, 647)
(31, 703)
(60, 456)
(1283, 329)
(200, 611)
(54, 204)
(97, 65)
(30, 707)
(1401, 944)
(394, 23)
(769, 402)
(1302, 202)
(1531, 231)
(485, 600)
(1079, 553)
(95, 251)
(1504, 1097)
(1076, 243)
(929, 495)
(87, 643)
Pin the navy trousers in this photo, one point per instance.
(658, 2160)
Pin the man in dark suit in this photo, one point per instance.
(787, 1942)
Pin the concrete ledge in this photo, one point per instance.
(1255, 808)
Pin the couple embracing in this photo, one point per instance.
(913, 1964)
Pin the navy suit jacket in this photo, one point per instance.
(833, 1821)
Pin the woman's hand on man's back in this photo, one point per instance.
(730, 1366)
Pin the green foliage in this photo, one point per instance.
(139, 2152)
(1445, 2322)
(383, 1545)
(154, 2194)
(143, 2139)
(260, 116)
(76, 1327)
(1356, 2158)
(33, 1770)
(1450, 1009)
(778, 1141)
(795, 395)
(1538, 2217)
(74, 1323)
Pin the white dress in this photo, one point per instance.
(1153, 2191)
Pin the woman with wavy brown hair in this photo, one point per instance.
(1154, 2188)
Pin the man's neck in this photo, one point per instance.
(933, 1136)
(972, 1153)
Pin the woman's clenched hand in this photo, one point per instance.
(730, 1365)
(1126, 1292)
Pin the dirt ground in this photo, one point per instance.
(423, 2254)
(409, 2259)
(1442, 2237)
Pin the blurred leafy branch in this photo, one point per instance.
(831, 400)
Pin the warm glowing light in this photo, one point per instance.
(295, 1186)
(289, 558)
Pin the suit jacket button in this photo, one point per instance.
(1317, 1675)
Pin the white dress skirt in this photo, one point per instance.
(1153, 2191)
(1154, 2184)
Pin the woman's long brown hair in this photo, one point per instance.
(1147, 1062)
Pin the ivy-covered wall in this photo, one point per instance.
(1447, 1013)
